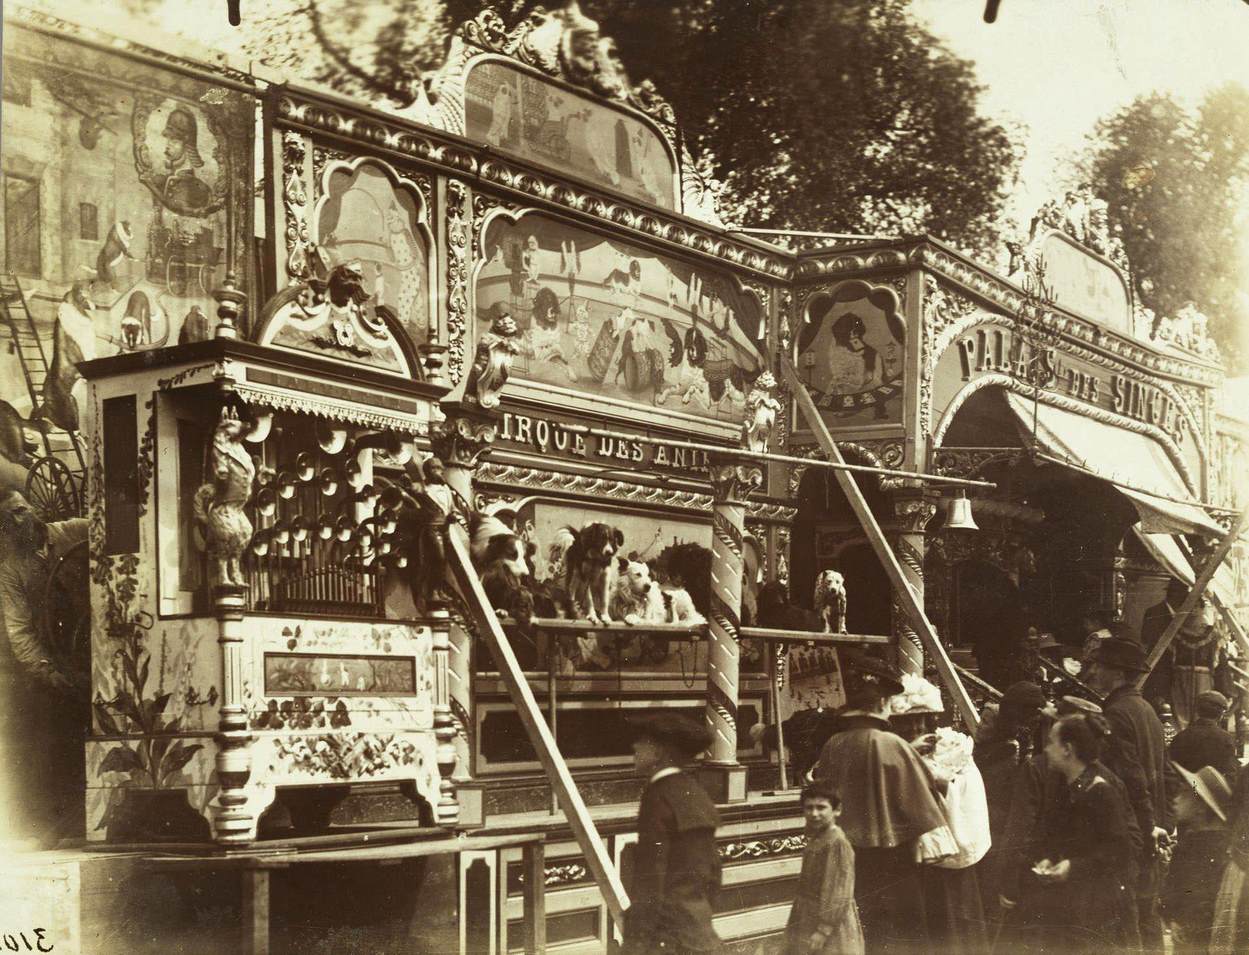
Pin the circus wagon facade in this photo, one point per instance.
(284, 352)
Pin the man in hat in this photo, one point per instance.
(1205, 742)
(1188, 900)
(1137, 755)
(676, 869)
(891, 809)
(182, 189)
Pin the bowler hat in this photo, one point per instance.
(1211, 704)
(1210, 786)
(1121, 654)
(683, 734)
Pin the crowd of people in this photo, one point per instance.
(1064, 826)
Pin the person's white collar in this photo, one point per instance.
(666, 771)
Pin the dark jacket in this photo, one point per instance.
(1193, 883)
(1094, 908)
(1137, 754)
(676, 869)
(1205, 743)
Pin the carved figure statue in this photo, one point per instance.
(492, 363)
(218, 504)
(435, 504)
(761, 411)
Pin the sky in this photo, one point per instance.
(1057, 66)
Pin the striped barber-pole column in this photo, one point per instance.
(731, 484)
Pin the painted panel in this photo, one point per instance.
(539, 121)
(1085, 284)
(366, 217)
(128, 197)
(850, 355)
(305, 673)
(610, 320)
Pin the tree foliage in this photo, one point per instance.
(1177, 183)
(844, 117)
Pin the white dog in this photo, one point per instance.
(639, 599)
(830, 601)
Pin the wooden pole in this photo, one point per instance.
(774, 687)
(884, 553)
(486, 623)
(1229, 618)
(1194, 595)
(533, 864)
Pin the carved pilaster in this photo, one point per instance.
(913, 512)
(461, 441)
(295, 203)
(452, 750)
(235, 810)
(458, 215)
(731, 484)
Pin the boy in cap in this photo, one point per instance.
(676, 868)
(1204, 742)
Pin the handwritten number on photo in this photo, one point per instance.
(21, 941)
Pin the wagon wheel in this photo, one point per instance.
(67, 620)
(52, 490)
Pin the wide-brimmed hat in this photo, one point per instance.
(1120, 653)
(919, 697)
(1210, 786)
(1070, 705)
(680, 733)
(863, 672)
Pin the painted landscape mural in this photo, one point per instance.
(610, 319)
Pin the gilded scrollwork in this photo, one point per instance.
(761, 848)
(295, 203)
(458, 217)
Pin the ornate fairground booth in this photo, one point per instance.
(339, 370)
(1092, 419)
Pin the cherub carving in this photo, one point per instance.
(761, 411)
(218, 504)
(492, 363)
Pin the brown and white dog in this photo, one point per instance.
(830, 600)
(587, 556)
(499, 558)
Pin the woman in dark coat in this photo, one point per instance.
(1088, 872)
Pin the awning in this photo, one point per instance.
(1168, 553)
(1136, 464)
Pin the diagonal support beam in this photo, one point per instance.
(1194, 595)
(884, 553)
(1229, 618)
(486, 625)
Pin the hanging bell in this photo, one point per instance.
(266, 501)
(286, 485)
(958, 516)
(325, 528)
(331, 440)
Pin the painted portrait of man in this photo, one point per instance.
(181, 188)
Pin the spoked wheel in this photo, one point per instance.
(52, 490)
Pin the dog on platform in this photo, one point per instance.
(587, 557)
(830, 600)
(777, 613)
(499, 557)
